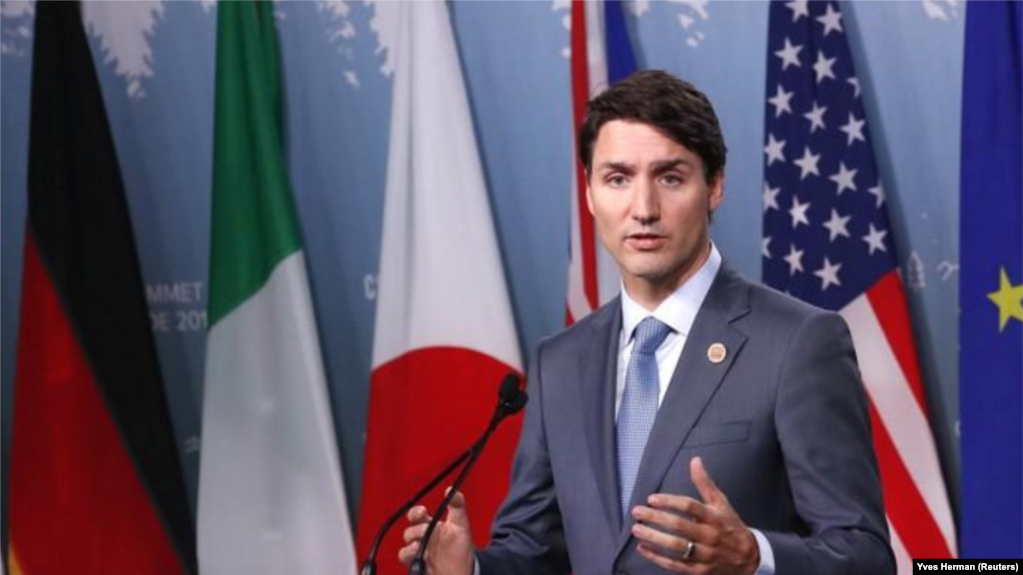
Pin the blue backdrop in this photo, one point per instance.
(156, 64)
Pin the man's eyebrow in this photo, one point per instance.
(673, 163)
(660, 166)
(615, 167)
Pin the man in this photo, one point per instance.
(697, 424)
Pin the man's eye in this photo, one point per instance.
(616, 180)
(672, 180)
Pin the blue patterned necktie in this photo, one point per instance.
(639, 404)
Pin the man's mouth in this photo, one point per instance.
(645, 241)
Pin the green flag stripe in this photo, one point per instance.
(254, 222)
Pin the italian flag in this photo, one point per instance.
(445, 335)
(271, 497)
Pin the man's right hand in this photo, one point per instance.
(451, 550)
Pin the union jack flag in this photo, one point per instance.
(601, 56)
(827, 240)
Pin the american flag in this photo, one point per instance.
(601, 56)
(827, 240)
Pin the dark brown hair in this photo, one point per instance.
(673, 106)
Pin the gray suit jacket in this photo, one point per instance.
(781, 424)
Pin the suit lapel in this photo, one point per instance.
(693, 384)
(598, 369)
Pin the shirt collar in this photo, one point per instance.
(678, 311)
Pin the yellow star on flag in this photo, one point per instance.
(1009, 299)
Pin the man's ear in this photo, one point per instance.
(589, 194)
(716, 192)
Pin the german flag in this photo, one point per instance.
(95, 481)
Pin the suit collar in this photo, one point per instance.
(728, 297)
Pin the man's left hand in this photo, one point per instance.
(717, 539)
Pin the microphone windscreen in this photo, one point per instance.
(509, 389)
(518, 403)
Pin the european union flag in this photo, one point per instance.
(991, 284)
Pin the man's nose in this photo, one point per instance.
(646, 205)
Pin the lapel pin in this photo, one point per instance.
(716, 352)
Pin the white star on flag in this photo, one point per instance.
(774, 150)
(771, 197)
(798, 213)
(799, 8)
(822, 67)
(764, 251)
(816, 117)
(828, 274)
(878, 191)
(831, 20)
(837, 225)
(875, 239)
(794, 259)
(808, 164)
(781, 102)
(854, 129)
(789, 55)
(856, 86)
(844, 178)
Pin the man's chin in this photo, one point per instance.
(651, 274)
(654, 273)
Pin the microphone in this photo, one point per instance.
(511, 400)
(510, 397)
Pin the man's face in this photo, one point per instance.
(651, 202)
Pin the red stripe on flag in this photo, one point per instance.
(427, 407)
(888, 300)
(580, 99)
(77, 503)
(903, 502)
(580, 64)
